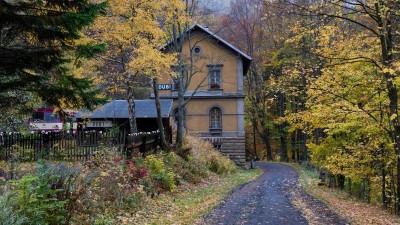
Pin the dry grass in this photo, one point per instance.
(205, 153)
(347, 206)
(17, 169)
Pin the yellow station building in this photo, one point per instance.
(216, 108)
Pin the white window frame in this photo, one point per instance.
(215, 116)
(215, 76)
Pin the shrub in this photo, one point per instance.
(163, 179)
(104, 220)
(122, 179)
(116, 187)
(37, 200)
(136, 200)
(190, 170)
(8, 213)
(52, 194)
(72, 183)
(203, 152)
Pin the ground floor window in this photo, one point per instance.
(215, 118)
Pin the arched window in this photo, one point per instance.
(215, 118)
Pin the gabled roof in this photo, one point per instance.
(246, 58)
(118, 109)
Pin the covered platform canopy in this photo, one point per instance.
(117, 115)
(118, 109)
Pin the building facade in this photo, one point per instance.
(215, 111)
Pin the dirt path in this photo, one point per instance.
(270, 200)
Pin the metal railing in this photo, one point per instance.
(65, 145)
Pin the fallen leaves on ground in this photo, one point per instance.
(349, 207)
(189, 203)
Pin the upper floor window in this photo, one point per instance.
(214, 76)
(215, 118)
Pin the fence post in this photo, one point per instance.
(157, 140)
(129, 148)
(142, 147)
(2, 145)
(46, 143)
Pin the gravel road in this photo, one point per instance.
(269, 200)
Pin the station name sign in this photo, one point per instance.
(102, 123)
(164, 86)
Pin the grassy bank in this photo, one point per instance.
(347, 206)
(189, 204)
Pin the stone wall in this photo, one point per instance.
(234, 147)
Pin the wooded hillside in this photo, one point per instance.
(323, 88)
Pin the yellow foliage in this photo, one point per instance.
(134, 31)
(104, 174)
(348, 104)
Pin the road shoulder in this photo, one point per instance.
(354, 210)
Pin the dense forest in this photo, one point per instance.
(322, 88)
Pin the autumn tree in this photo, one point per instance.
(348, 102)
(37, 41)
(360, 74)
(133, 33)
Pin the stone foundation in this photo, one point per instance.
(234, 147)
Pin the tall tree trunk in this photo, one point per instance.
(386, 41)
(349, 186)
(341, 179)
(393, 107)
(254, 137)
(178, 38)
(282, 151)
(130, 98)
(283, 147)
(304, 146)
(264, 135)
(163, 143)
(384, 201)
(131, 109)
(368, 190)
(393, 101)
(295, 149)
(267, 144)
(181, 111)
(393, 98)
(392, 191)
(181, 129)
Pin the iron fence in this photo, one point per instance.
(65, 145)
